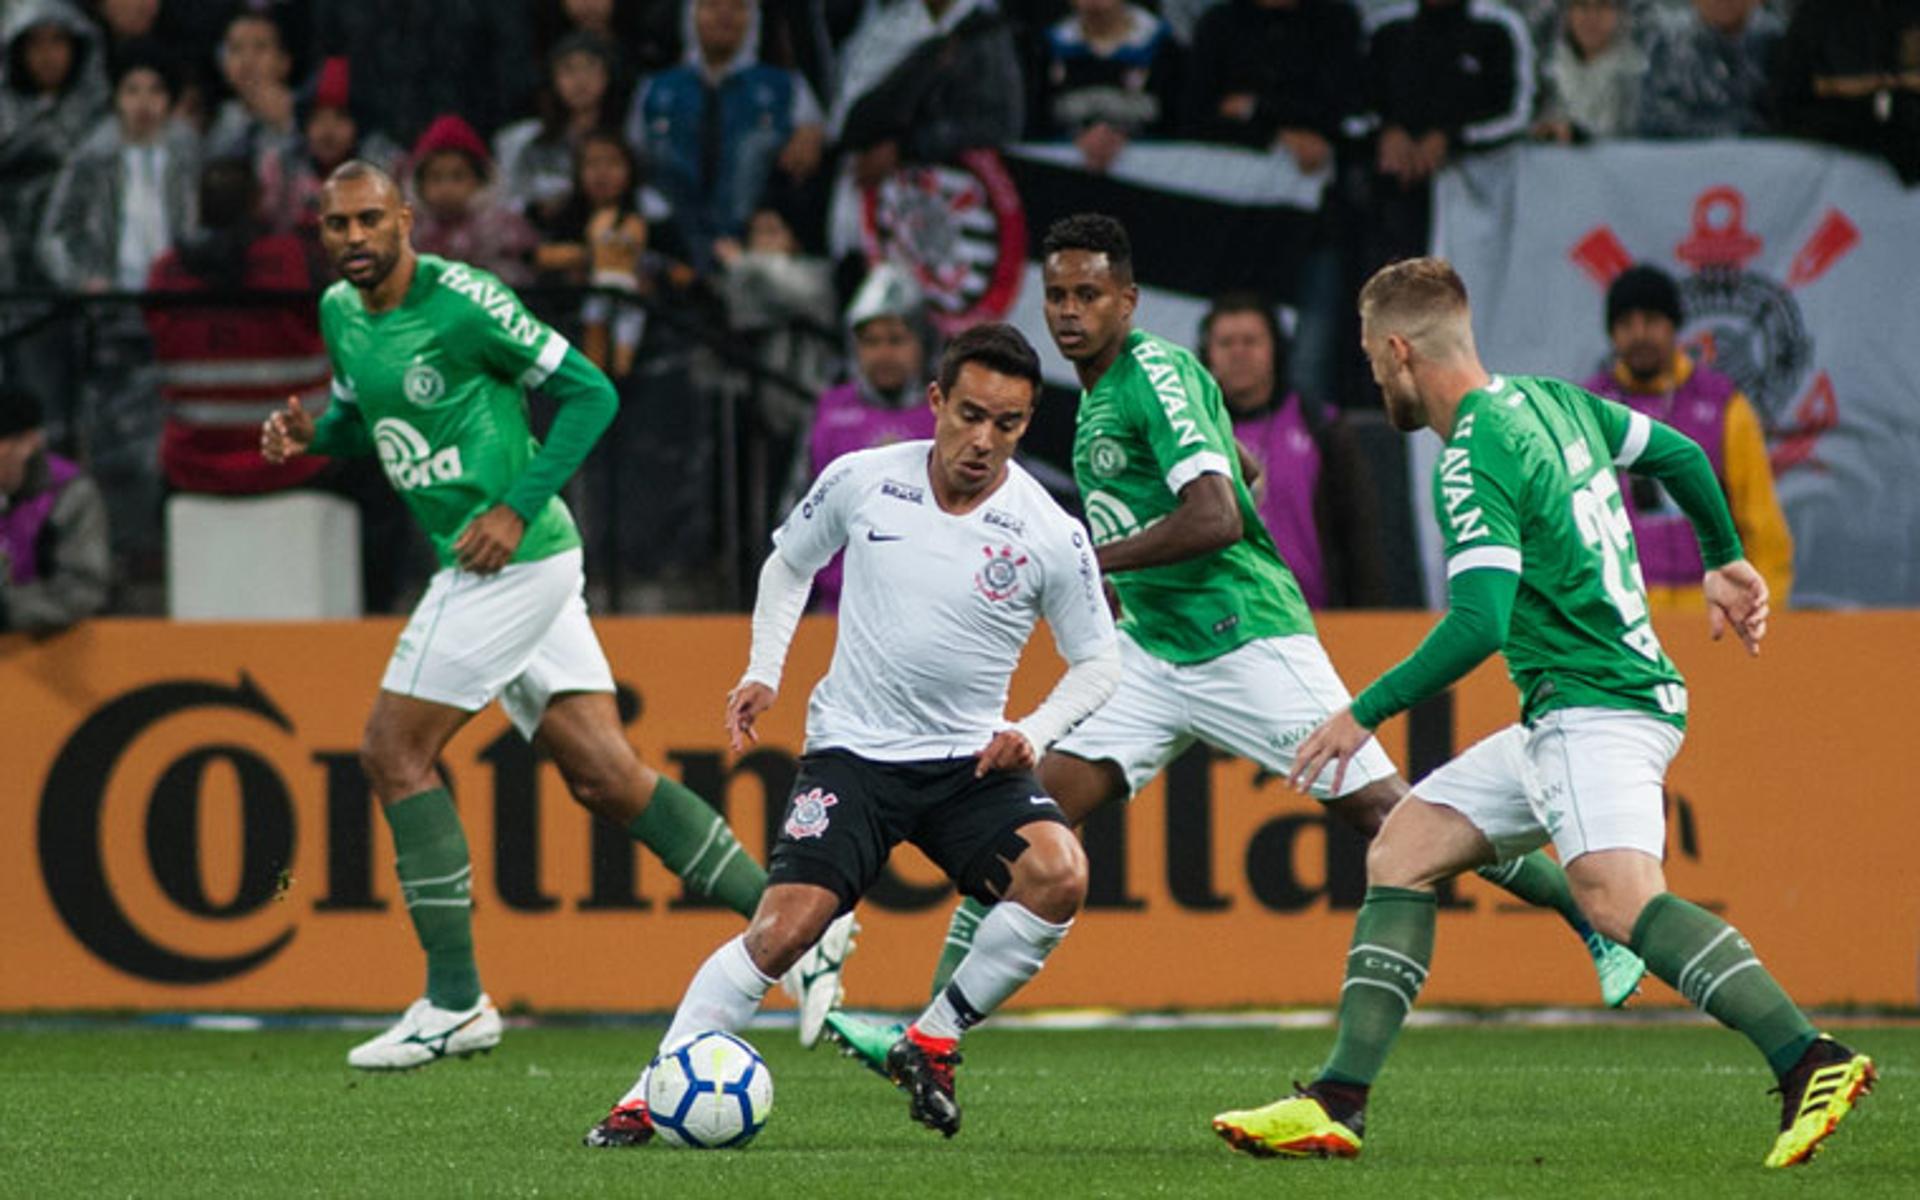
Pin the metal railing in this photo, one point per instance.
(82, 353)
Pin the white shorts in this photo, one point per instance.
(1259, 701)
(1582, 778)
(520, 635)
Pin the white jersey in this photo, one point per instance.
(936, 607)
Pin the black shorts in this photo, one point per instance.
(847, 813)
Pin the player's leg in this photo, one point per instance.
(581, 732)
(1001, 841)
(1289, 685)
(402, 743)
(1603, 773)
(834, 839)
(1455, 821)
(468, 638)
(564, 702)
(1079, 787)
(728, 989)
(1107, 757)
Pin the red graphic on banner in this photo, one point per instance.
(959, 229)
(1742, 322)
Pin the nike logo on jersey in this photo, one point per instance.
(1039, 799)
(874, 535)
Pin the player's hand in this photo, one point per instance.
(489, 540)
(1336, 741)
(1737, 598)
(287, 433)
(1008, 751)
(745, 703)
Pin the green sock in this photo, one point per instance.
(967, 916)
(1539, 881)
(1392, 945)
(695, 843)
(1708, 962)
(436, 878)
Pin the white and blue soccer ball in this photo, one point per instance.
(711, 1091)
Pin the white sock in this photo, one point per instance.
(1009, 948)
(725, 993)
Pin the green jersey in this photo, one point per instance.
(1526, 484)
(1154, 423)
(440, 382)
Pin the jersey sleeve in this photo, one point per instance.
(511, 342)
(817, 528)
(1171, 408)
(1477, 485)
(1625, 430)
(1074, 602)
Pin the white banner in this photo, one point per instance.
(1800, 275)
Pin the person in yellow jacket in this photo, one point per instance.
(1651, 374)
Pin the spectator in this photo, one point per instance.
(52, 92)
(600, 236)
(1448, 77)
(128, 192)
(1313, 490)
(536, 154)
(1707, 70)
(333, 128)
(644, 35)
(923, 80)
(257, 120)
(772, 286)
(1652, 375)
(1277, 73)
(416, 59)
(884, 402)
(459, 215)
(715, 128)
(54, 564)
(1592, 76)
(1849, 74)
(1107, 74)
(224, 365)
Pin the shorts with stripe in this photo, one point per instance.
(1258, 701)
(520, 635)
(1582, 778)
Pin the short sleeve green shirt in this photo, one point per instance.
(1526, 484)
(1154, 423)
(441, 382)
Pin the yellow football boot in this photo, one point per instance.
(1815, 1097)
(1297, 1127)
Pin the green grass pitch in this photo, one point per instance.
(1475, 1111)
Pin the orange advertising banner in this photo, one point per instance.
(184, 825)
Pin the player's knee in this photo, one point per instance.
(777, 937)
(1612, 913)
(1050, 879)
(392, 770)
(1391, 865)
(607, 784)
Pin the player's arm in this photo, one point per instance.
(1736, 593)
(1197, 465)
(805, 542)
(777, 605)
(587, 404)
(1481, 531)
(1082, 626)
(1207, 520)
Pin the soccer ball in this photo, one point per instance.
(711, 1091)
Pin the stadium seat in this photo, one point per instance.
(293, 557)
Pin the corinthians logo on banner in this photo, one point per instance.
(1744, 323)
(958, 229)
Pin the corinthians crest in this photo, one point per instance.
(1746, 324)
(999, 579)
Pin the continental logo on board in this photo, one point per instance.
(72, 835)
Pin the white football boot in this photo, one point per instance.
(814, 981)
(426, 1034)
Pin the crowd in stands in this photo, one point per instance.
(687, 152)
